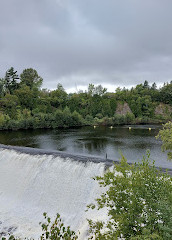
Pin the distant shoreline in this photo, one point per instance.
(15, 126)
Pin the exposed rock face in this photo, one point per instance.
(123, 109)
(163, 109)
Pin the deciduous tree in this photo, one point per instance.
(166, 136)
(30, 78)
(138, 202)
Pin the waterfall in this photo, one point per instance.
(31, 184)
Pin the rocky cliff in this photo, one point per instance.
(123, 109)
(163, 109)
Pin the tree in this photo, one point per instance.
(2, 87)
(10, 80)
(154, 86)
(58, 97)
(166, 136)
(146, 84)
(98, 90)
(9, 104)
(166, 93)
(95, 105)
(91, 89)
(30, 78)
(138, 202)
(27, 97)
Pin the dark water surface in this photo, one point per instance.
(96, 142)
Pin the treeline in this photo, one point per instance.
(23, 104)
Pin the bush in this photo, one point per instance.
(53, 230)
(118, 119)
(56, 230)
(76, 119)
(89, 120)
(129, 118)
(4, 119)
(58, 119)
(166, 136)
(138, 199)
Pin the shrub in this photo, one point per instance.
(138, 199)
(53, 230)
(166, 136)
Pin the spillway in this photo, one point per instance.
(34, 181)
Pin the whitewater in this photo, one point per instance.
(34, 181)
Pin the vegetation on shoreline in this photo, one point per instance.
(24, 105)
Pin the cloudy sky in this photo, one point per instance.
(77, 42)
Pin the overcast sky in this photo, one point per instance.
(77, 42)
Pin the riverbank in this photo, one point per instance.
(71, 120)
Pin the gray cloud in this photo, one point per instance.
(78, 42)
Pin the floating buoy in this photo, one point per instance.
(111, 127)
(149, 129)
(94, 126)
(129, 128)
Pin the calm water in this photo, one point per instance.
(98, 142)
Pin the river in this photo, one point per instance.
(102, 142)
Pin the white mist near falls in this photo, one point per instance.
(33, 184)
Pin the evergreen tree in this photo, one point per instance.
(10, 80)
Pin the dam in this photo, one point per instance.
(33, 181)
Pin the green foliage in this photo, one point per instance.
(166, 136)
(56, 230)
(129, 118)
(96, 90)
(27, 97)
(9, 104)
(58, 97)
(52, 230)
(2, 87)
(10, 81)
(138, 199)
(89, 120)
(4, 119)
(119, 119)
(166, 93)
(77, 119)
(94, 106)
(30, 78)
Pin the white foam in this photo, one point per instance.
(33, 184)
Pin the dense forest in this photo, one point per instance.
(24, 104)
